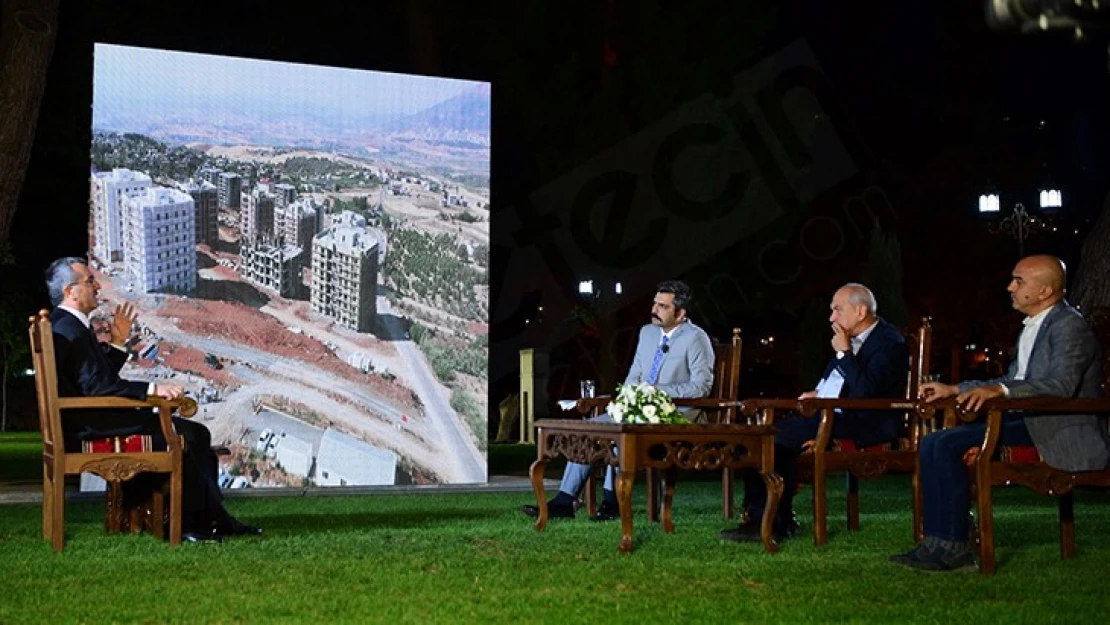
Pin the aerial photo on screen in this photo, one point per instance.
(308, 247)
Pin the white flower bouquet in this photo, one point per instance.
(643, 403)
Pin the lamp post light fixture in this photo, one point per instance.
(586, 288)
(1051, 198)
(988, 203)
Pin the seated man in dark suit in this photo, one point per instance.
(870, 361)
(1058, 355)
(87, 367)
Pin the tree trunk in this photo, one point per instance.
(27, 31)
(1092, 289)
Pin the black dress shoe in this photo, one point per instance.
(554, 511)
(786, 530)
(750, 531)
(201, 537)
(607, 512)
(235, 527)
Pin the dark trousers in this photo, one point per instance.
(793, 432)
(201, 498)
(944, 479)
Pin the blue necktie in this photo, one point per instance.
(657, 362)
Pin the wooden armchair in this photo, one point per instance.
(829, 455)
(992, 464)
(720, 407)
(115, 467)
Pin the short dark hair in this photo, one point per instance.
(59, 275)
(682, 294)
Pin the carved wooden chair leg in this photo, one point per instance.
(157, 513)
(670, 478)
(852, 486)
(1066, 505)
(918, 504)
(47, 504)
(135, 519)
(820, 507)
(591, 494)
(986, 530)
(58, 516)
(653, 495)
(176, 505)
(728, 484)
(114, 507)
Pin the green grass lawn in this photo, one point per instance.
(437, 557)
(20, 456)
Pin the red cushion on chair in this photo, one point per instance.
(847, 444)
(1021, 453)
(118, 444)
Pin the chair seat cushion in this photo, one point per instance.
(118, 444)
(1021, 453)
(1018, 454)
(850, 445)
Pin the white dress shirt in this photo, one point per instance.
(1025, 342)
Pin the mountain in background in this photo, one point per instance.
(462, 121)
(453, 134)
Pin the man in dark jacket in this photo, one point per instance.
(87, 367)
(870, 361)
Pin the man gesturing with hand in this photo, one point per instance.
(87, 367)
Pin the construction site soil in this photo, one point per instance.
(238, 323)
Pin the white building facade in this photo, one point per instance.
(107, 191)
(159, 252)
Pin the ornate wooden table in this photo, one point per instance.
(665, 447)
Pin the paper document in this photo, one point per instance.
(829, 388)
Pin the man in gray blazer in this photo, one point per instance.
(672, 354)
(1057, 356)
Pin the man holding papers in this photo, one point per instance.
(870, 360)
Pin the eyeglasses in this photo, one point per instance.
(89, 281)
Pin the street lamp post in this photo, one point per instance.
(1020, 223)
(601, 295)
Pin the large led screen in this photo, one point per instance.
(308, 247)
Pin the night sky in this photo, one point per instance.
(917, 106)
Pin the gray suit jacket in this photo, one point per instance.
(1066, 361)
(687, 369)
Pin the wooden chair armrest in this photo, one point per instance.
(1051, 404)
(765, 407)
(809, 406)
(164, 408)
(587, 405)
(186, 406)
(78, 403)
(706, 403)
(749, 407)
(1061, 405)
